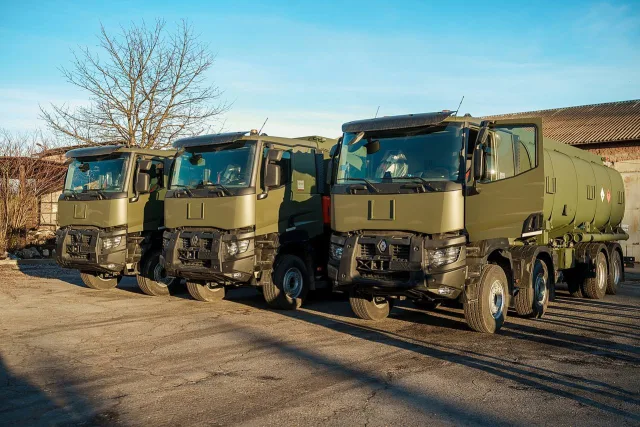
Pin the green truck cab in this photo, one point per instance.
(432, 207)
(244, 208)
(111, 215)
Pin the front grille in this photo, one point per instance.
(367, 249)
(185, 242)
(81, 239)
(400, 252)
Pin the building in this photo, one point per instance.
(611, 130)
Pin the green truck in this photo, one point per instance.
(433, 207)
(111, 216)
(246, 209)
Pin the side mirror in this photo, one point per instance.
(329, 172)
(273, 176)
(144, 165)
(478, 163)
(142, 183)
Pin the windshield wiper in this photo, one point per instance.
(366, 181)
(224, 190)
(423, 181)
(99, 193)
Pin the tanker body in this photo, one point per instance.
(430, 208)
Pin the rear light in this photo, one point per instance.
(326, 210)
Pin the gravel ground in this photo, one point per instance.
(72, 355)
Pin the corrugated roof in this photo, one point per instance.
(588, 124)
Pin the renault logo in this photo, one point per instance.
(194, 240)
(382, 245)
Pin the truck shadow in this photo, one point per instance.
(23, 403)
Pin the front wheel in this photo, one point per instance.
(488, 312)
(289, 284)
(615, 273)
(153, 279)
(533, 300)
(205, 291)
(369, 307)
(99, 281)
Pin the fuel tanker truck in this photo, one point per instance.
(110, 215)
(432, 207)
(247, 209)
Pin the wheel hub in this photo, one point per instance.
(496, 299)
(292, 283)
(601, 274)
(160, 275)
(540, 289)
(616, 271)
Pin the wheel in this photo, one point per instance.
(533, 300)
(574, 280)
(615, 273)
(596, 287)
(289, 284)
(153, 279)
(205, 291)
(489, 311)
(368, 307)
(98, 281)
(426, 304)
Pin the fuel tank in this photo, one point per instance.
(581, 193)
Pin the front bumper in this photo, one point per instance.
(82, 249)
(202, 255)
(398, 266)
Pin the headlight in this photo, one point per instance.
(335, 251)
(440, 257)
(111, 242)
(239, 247)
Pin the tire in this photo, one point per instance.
(533, 301)
(489, 312)
(425, 304)
(289, 284)
(96, 281)
(596, 287)
(369, 307)
(615, 273)
(203, 291)
(152, 279)
(574, 280)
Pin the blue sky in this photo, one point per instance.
(310, 66)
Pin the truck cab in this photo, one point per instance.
(246, 209)
(110, 215)
(432, 207)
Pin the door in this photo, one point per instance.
(511, 186)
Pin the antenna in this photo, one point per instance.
(377, 112)
(265, 122)
(459, 105)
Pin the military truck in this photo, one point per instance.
(432, 207)
(110, 215)
(246, 209)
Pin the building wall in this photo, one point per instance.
(49, 211)
(625, 158)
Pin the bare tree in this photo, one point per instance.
(25, 176)
(149, 89)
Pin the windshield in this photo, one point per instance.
(106, 175)
(230, 166)
(433, 154)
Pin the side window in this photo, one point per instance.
(511, 151)
(156, 175)
(285, 164)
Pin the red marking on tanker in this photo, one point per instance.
(608, 196)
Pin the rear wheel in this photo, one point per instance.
(368, 307)
(99, 281)
(205, 291)
(489, 311)
(533, 300)
(289, 284)
(596, 287)
(615, 273)
(153, 279)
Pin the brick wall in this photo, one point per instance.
(615, 152)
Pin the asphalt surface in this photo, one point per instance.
(72, 355)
